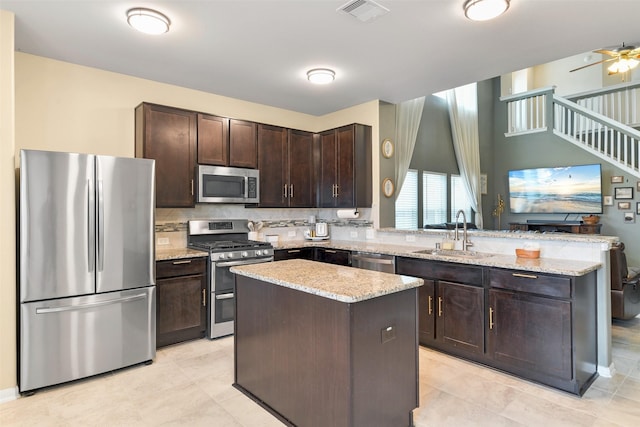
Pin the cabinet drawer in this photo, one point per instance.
(180, 267)
(534, 283)
(439, 271)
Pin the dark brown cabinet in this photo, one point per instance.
(562, 227)
(451, 305)
(168, 135)
(181, 305)
(543, 327)
(295, 253)
(213, 140)
(243, 144)
(344, 178)
(333, 256)
(285, 160)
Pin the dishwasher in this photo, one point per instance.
(376, 262)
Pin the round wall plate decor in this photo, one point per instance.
(387, 148)
(387, 187)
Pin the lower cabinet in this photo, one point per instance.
(295, 253)
(333, 256)
(181, 305)
(541, 327)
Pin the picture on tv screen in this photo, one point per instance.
(568, 189)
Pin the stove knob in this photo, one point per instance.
(221, 256)
(230, 255)
(245, 254)
(258, 252)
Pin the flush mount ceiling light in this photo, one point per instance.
(483, 10)
(321, 76)
(148, 21)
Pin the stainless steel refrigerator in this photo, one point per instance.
(87, 266)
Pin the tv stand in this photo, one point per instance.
(575, 227)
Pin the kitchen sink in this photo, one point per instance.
(453, 253)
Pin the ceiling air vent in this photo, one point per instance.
(363, 10)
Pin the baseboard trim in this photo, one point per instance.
(9, 394)
(607, 371)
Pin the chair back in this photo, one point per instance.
(619, 270)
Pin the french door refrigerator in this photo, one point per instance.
(86, 266)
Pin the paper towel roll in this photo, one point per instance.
(348, 213)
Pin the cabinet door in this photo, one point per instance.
(168, 135)
(328, 169)
(213, 140)
(426, 313)
(272, 162)
(302, 253)
(180, 309)
(345, 177)
(460, 320)
(530, 333)
(301, 169)
(243, 141)
(333, 256)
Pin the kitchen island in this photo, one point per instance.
(326, 345)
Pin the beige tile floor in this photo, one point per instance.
(190, 384)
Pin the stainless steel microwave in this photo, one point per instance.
(219, 184)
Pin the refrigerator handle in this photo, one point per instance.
(45, 310)
(91, 212)
(100, 226)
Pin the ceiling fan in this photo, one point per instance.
(626, 57)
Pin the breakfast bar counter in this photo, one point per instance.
(325, 345)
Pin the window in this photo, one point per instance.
(459, 198)
(434, 199)
(407, 202)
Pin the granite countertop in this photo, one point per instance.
(336, 282)
(178, 253)
(539, 265)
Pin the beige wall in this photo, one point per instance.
(65, 107)
(7, 211)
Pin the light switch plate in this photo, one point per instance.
(353, 234)
(410, 238)
(292, 233)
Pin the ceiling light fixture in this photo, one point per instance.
(483, 10)
(148, 21)
(321, 76)
(623, 65)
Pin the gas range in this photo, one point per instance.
(226, 240)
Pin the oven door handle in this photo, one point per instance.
(224, 296)
(243, 262)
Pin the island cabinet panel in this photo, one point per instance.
(543, 327)
(317, 362)
(168, 135)
(181, 313)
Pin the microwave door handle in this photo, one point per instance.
(245, 187)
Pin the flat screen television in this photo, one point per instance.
(556, 190)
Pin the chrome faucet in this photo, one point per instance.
(465, 241)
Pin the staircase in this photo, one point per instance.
(601, 122)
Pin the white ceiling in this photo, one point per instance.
(260, 50)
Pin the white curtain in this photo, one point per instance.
(408, 115)
(463, 116)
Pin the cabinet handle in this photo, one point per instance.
(491, 318)
(337, 190)
(526, 276)
(192, 187)
(291, 191)
(439, 306)
(330, 251)
(204, 297)
(293, 251)
(284, 193)
(186, 261)
(430, 305)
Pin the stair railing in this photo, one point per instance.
(620, 102)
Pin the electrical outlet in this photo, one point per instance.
(410, 238)
(163, 240)
(292, 233)
(370, 233)
(354, 234)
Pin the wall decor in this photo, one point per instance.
(638, 186)
(387, 148)
(629, 217)
(387, 187)
(617, 179)
(637, 208)
(608, 200)
(624, 205)
(624, 192)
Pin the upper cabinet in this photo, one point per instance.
(344, 179)
(168, 135)
(227, 142)
(285, 161)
